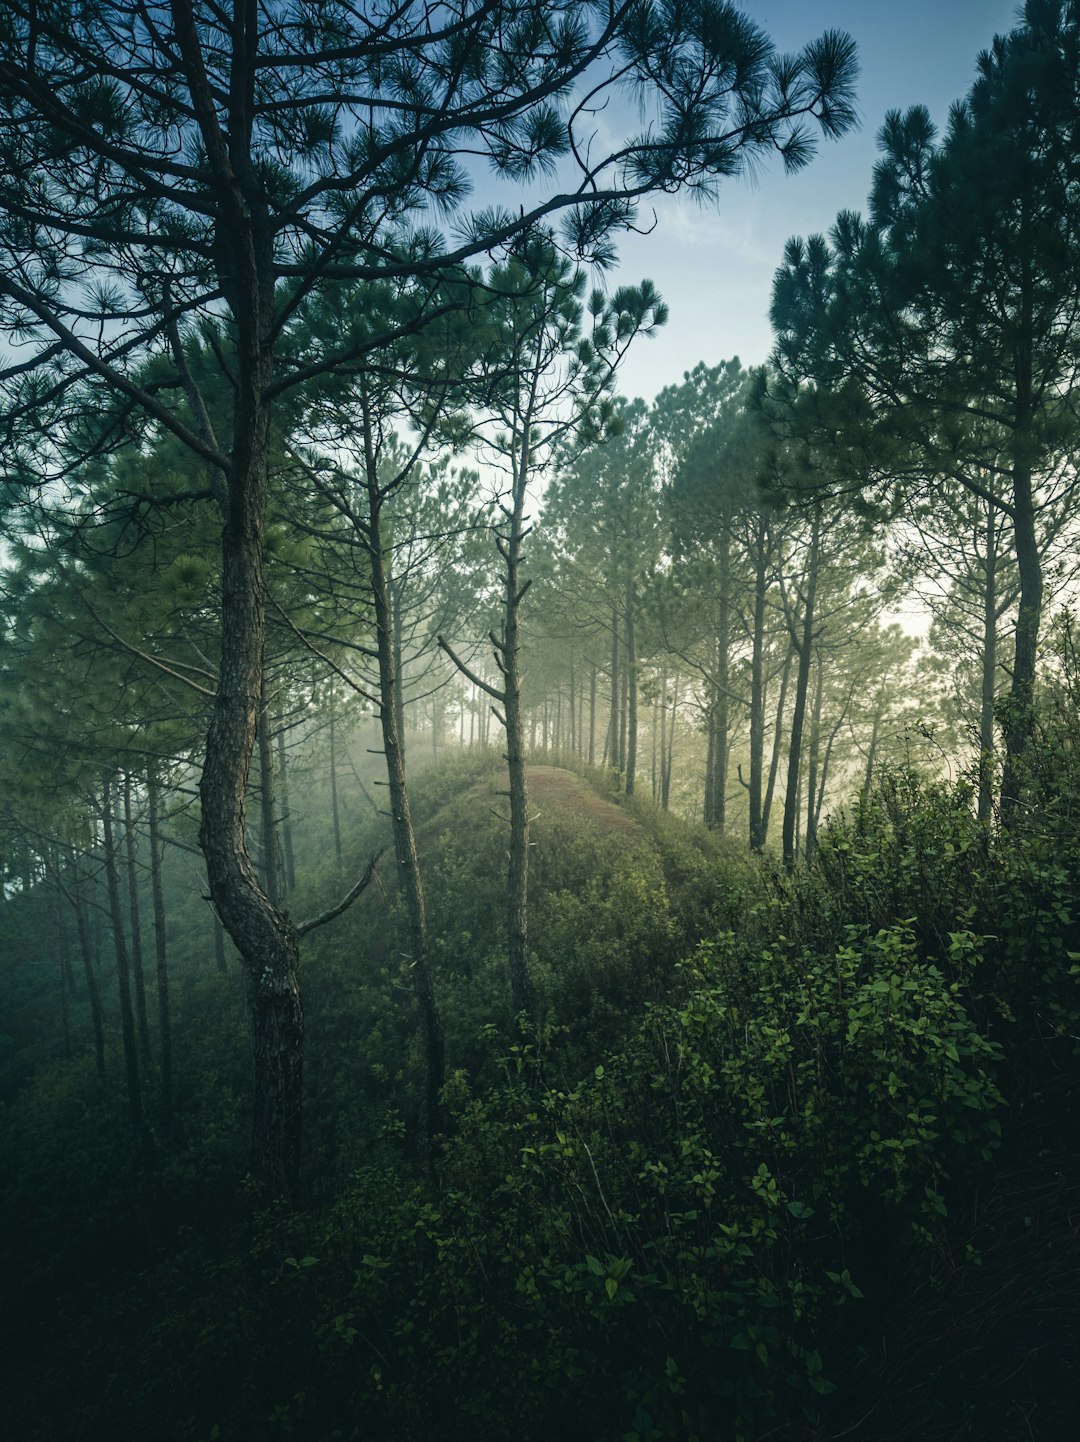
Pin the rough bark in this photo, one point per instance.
(264, 936)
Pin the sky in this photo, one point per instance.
(714, 266)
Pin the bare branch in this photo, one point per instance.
(346, 901)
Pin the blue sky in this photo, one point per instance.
(714, 266)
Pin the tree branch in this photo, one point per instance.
(346, 901)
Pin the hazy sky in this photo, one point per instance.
(714, 266)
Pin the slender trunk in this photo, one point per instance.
(623, 707)
(654, 775)
(989, 670)
(822, 780)
(723, 666)
(397, 629)
(871, 754)
(63, 969)
(518, 874)
(136, 930)
(757, 692)
(123, 965)
(92, 992)
(778, 739)
(286, 816)
(662, 702)
(611, 744)
(1020, 713)
(572, 714)
(665, 785)
(813, 759)
(805, 648)
(335, 810)
(631, 690)
(408, 862)
(273, 877)
(592, 716)
(160, 955)
(710, 754)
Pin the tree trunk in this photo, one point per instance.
(658, 789)
(397, 625)
(273, 874)
(63, 970)
(572, 715)
(408, 863)
(263, 934)
(286, 817)
(92, 992)
(160, 955)
(723, 666)
(632, 691)
(665, 785)
(707, 806)
(518, 873)
(611, 745)
(266, 939)
(624, 702)
(871, 754)
(813, 760)
(592, 716)
(335, 811)
(136, 930)
(778, 739)
(757, 692)
(123, 966)
(805, 649)
(989, 670)
(1020, 715)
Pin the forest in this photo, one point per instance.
(526, 911)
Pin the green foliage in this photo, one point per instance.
(755, 1103)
